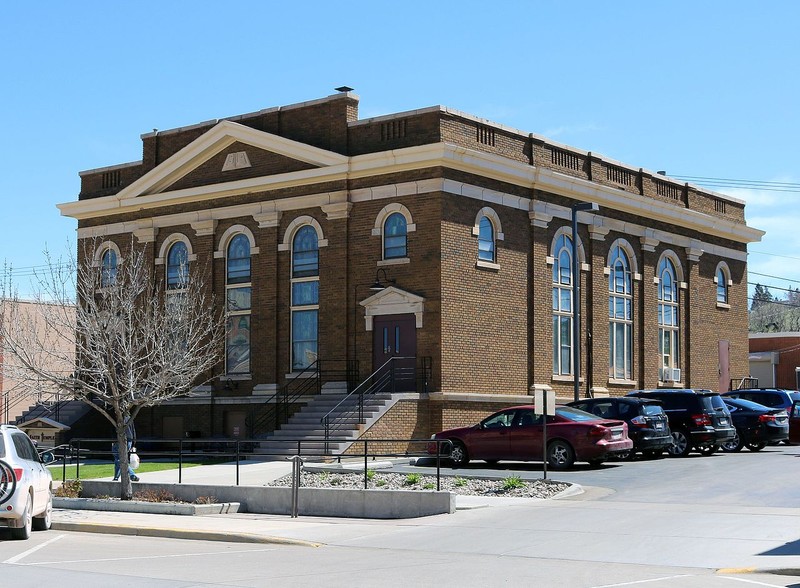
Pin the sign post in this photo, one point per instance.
(544, 405)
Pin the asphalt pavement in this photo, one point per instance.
(590, 524)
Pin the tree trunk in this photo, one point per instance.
(125, 486)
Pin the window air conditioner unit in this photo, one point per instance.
(670, 374)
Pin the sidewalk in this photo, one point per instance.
(241, 527)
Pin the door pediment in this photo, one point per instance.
(393, 300)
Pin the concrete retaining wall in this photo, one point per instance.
(325, 502)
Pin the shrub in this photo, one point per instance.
(370, 474)
(412, 479)
(69, 489)
(155, 496)
(513, 482)
(205, 500)
(459, 482)
(429, 486)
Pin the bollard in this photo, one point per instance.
(297, 465)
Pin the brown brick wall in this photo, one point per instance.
(484, 311)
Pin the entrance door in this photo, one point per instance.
(395, 335)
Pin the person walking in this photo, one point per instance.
(130, 437)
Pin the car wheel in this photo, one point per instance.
(733, 445)
(560, 455)
(44, 521)
(24, 532)
(680, 444)
(708, 449)
(623, 455)
(458, 454)
(756, 446)
(8, 482)
(653, 453)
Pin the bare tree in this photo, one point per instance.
(136, 341)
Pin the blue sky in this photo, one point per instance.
(693, 88)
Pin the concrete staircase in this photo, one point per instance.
(306, 426)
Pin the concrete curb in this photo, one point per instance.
(773, 571)
(169, 533)
(168, 508)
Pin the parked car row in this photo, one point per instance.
(649, 422)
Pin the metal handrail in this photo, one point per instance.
(364, 389)
(284, 391)
(282, 400)
(436, 449)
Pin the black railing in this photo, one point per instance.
(98, 451)
(278, 408)
(385, 379)
(740, 383)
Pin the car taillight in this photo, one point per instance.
(766, 418)
(597, 431)
(701, 419)
(639, 421)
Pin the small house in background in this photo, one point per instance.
(45, 431)
(775, 359)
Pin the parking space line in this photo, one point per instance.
(642, 581)
(752, 582)
(151, 557)
(24, 554)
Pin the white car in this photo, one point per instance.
(26, 485)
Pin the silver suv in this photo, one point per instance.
(26, 486)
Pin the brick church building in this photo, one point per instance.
(433, 237)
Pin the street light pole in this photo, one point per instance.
(576, 296)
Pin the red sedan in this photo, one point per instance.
(515, 434)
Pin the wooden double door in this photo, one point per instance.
(395, 336)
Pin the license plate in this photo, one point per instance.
(659, 426)
(723, 421)
(616, 434)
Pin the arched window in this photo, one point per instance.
(722, 284)
(668, 323)
(562, 305)
(395, 235)
(238, 293)
(620, 315)
(305, 297)
(486, 243)
(108, 268)
(177, 266)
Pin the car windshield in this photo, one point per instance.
(794, 396)
(652, 409)
(573, 414)
(714, 402)
(747, 404)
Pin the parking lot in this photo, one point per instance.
(769, 477)
(671, 523)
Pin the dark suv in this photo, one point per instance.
(698, 419)
(647, 422)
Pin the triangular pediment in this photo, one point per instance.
(43, 422)
(230, 152)
(393, 300)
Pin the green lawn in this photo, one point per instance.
(106, 470)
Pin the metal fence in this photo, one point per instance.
(84, 450)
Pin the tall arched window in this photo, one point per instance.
(305, 297)
(108, 268)
(620, 316)
(238, 292)
(486, 244)
(395, 232)
(722, 285)
(177, 266)
(668, 324)
(562, 306)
